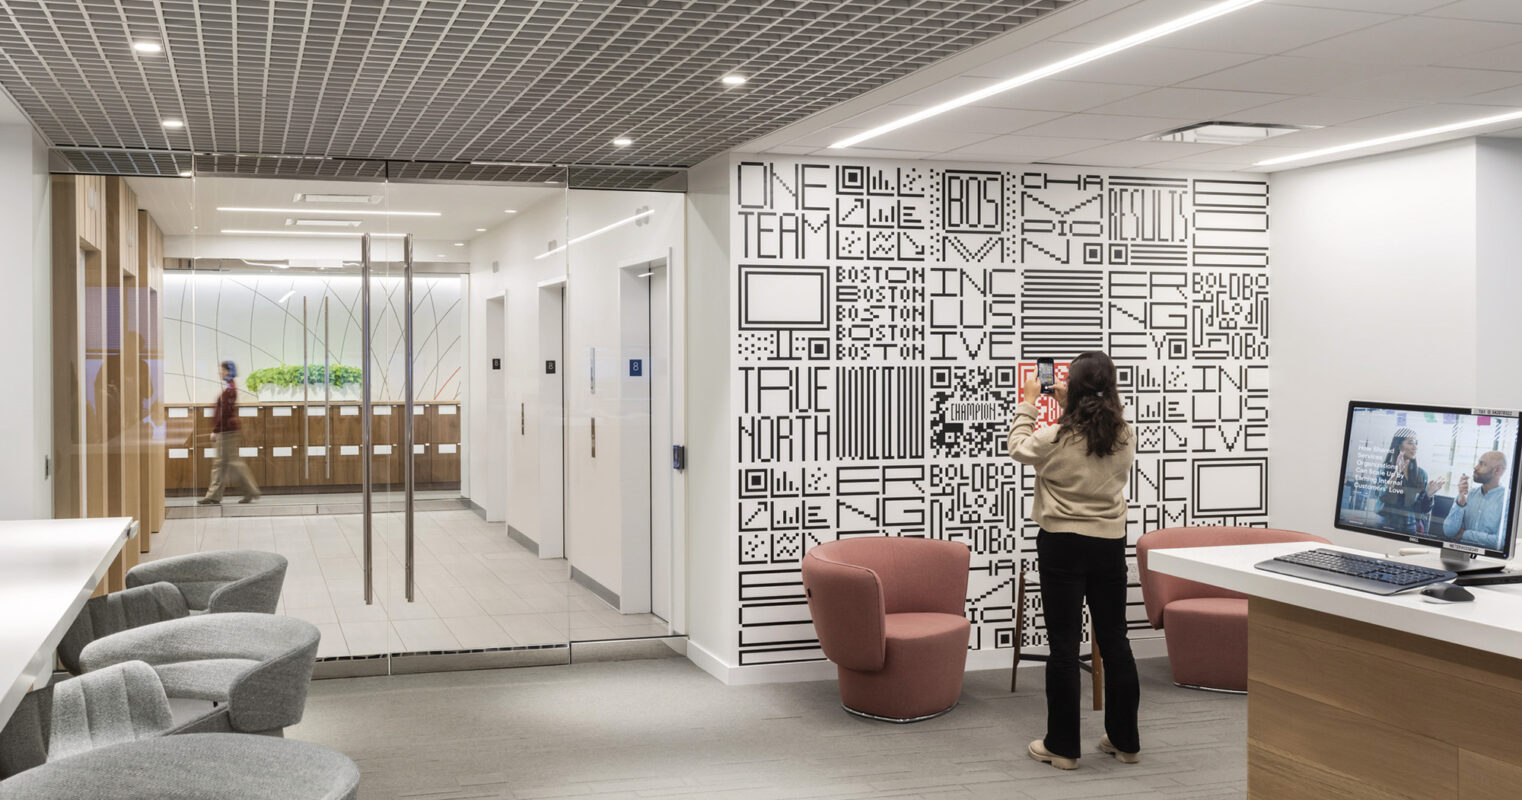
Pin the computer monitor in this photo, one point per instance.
(1444, 477)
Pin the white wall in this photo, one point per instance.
(1377, 293)
(1498, 278)
(25, 319)
(256, 321)
(711, 578)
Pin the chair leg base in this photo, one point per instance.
(896, 720)
(1209, 688)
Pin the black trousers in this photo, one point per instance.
(1075, 567)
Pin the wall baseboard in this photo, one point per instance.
(577, 576)
(516, 535)
(477, 507)
(797, 672)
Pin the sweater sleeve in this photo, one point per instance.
(1025, 445)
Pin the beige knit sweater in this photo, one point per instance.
(1075, 492)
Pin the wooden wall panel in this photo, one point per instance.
(151, 450)
(69, 248)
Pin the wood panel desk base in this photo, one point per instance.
(1344, 709)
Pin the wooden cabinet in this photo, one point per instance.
(297, 448)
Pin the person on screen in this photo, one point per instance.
(1476, 516)
(1405, 497)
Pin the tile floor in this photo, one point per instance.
(475, 588)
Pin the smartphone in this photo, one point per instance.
(1046, 372)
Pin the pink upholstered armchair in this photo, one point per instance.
(1205, 627)
(890, 612)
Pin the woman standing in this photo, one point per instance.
(1405, 499)
(1082, 464)
(224, 425)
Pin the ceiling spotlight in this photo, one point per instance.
(174, 123)
(509, 210)
(733, 80)
(438, 255)
(480, 230)
(622, 141)
(459, 244)
(187, 174)
(148, 47)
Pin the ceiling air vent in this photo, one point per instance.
(322, 223)
(349, 199)
(1226, 132)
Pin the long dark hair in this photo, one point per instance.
(1093, 408)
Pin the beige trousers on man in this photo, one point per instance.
(228, 460)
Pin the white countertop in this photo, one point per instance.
(1491, 622)
(48, 568)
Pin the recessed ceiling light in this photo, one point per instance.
(1399, 137)
(187, 174)
(1093, 54)
(509, 210)
(1226, 132)
(733, 80)
(438, 255)
(174, 123)
(622, 141)
(147, 47)
(480, 230)
(459, 244)
(344, 211)
(323, 223)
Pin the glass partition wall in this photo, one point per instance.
(458, 401)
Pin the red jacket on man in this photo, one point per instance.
(225, 418)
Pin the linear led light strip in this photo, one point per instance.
(598, 232)
(1399, 137)
(309, 233)
(1173, 26)
(344, 211)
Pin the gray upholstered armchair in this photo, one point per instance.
(122, 703)
(172, 588)
(257, 667)
(219, 581)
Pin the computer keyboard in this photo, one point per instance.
(1364, 573)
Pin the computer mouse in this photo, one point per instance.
(1446, 593)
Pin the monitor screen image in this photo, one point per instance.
(1438, 476)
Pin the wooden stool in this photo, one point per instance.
(1094, 665)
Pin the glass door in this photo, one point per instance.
(370, 322)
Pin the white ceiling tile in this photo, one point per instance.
(1156, 66)
(1027, 58)
(968, 119)
(1201, 104)
(1508, 58)
(1243, 156)
(1105, 126)
(1138, 154)
(945, 90)
(1271, 29)
(1424, 84)
(933, 140)
(1059, 95)
(1023, 147)
(1385, 6)
(1510, 97)
(824, 137)
(1133, 19)
(1288, 75)
(1315, 111)
(791, 150)
(873, 152)
(1414, 41)
(1418, 117)
(1484, 10)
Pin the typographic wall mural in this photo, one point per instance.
(886, 316)
(258, 321)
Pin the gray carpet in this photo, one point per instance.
(651, 729)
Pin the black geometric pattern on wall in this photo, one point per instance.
(887, 316)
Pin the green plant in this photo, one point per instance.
(287, 376)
